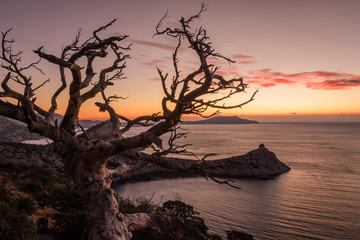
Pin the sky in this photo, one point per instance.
(302, 56)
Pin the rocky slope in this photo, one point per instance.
(30, 154)
(14, 131)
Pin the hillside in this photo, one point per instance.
(222, 120)
(15, 131)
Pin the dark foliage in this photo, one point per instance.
(58, 192)
(187, 213)
(70, 225)
(126, 206)
(48, 190)
(14, 211)
(238, 235)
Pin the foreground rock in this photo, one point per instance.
(259, 163)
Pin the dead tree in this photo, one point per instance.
(85, 155)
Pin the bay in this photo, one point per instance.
(318, 199)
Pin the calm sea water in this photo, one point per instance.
(318, 199)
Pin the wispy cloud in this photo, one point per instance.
(246, 62)
(334, 84)
(153, 44)
(315, 80)
(156, 79)
(241, 56)
(156, 62)
(243, 59)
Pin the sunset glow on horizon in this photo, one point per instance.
(302, 56)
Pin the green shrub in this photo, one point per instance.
(4, 193)
(214, 237)
(181, 210)
(187, 213)
(26, 204)
(42, 224)
(49, 190)
(127, 206)
(14, 221)
(238, 235)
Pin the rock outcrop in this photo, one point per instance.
(259, 163)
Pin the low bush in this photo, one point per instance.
(238, 235)
(14, 211)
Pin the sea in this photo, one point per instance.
(319, 198)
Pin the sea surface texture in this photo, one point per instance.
(318, 199)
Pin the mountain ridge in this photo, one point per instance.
(223, 120)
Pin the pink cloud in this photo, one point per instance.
(240, 57)
(283, 81)
(315, 80)
(246, 62)
(334, 84)
(153, 44)
(225, 73)
(243, 59)
(153, 79)
(268, 84)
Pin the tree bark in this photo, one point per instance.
(103, 219)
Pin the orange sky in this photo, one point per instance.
(302, 56)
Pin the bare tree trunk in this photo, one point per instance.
(103, 219)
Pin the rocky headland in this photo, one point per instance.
(258, 163)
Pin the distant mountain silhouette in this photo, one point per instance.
(222, 120)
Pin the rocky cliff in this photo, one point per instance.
(259, 163)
